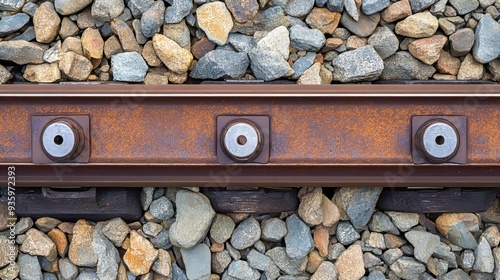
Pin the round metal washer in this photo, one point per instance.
(59, 140)
(242, 140)
(440, 140)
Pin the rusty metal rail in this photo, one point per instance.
(337, 135)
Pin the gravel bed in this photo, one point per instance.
(309, 41)
(181, 237)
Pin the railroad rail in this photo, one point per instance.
(268, 135)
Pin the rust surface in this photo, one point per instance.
(356, 125)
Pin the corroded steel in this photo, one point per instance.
(318, 134)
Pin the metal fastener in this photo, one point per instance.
(437, 140)
(241, 140)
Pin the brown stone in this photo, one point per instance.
(175, 78)
(59, 238)
(46, 22)
(68, 28)
(5, 76)
(149, 54)
(39, 244)
(446, 221)
(163, 264)
(42, 73)
(470, 69)
(448, 64)
(321, 239)
(427, 50)
(310, 205)
(85, 19)
(202, 47)
(75, 66)
(179, 33)
(242, 10)
(396, 11)
(350, 264)
(444, 77)
(72, 44)
(156, 78)
(314, 260)
(141, 255)
(112, 46)
(319, 58)
(66, 227)
(332, 44)
(215, 20)
(126, 36)
(393, 241)
(92, 43)
(171, 54)
(216, 247)
(323, 20)
(354, 42)
(419, 25)
(331, 213)
(80, 251)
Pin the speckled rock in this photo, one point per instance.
(464, 6)
(60, 240)
(285, 263)
(46, 22)
(306, 39)
(350, 263)
(42, 73)
(461, 42)
(171, 54)
(221, 63)
(215, 20)
(419, 25)
(310, 205)
(323, 20)
(370, 7)
(380, 222)
(367, 67)
(80, 249)
(222, 228)
(273, 230)
(470, 69)
(425, 244)
(298, 239)
(278, 40)
(242, 10)
(161, 208)
(11, 5)
(396, 11)
(384, 41)
(178, 10)
(116, 230)
(408, 268)
(298, 8)
(10, 24)
(29, 267)
(92, 44)
(193, 219)
(5, 252)
(487, 40)
(128, 67)
(141, 254)
(268, 65)
(428, 50)
(69, 7)
(346, 234)
(152, 19)
(106, 10)
(39, 244)
(163, 265)
(246, 234)
(484, 257)
(419, 5)
(126, 35)
(241, 270)
(137, 7)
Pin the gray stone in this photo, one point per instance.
(27, 35)
(419, 5)
(193, 220)
(161, 241)
(285, 263)
(23, 225)
(364, 26)
(357, 204)
(220, 261)
(246, 234)
(496, 257)
(325, 271)
(481, 276)
(299, 8)
(241, 42)
(259, 261)
(456, 274)
(222, 228)
(273, 230)
(5, 76)
(29, 267)
(375, 240)
(459, 235)
(137, 7)
(370, 260)
(21, 52)
(438, 7)
(384, 41)
(162, 208)
(492, 234)
(116, 230)
(335, 5)
(270, 19)
(10, 24)
(380, 222)
(178, 273)
(467, 259)
(444, 252)
(351, 9)
(69, 7)
(197, 261)
(87, 275)
(370, 7)
(321, 3)
(152, 19)
(30, 8)
(302, 64)
(67, 270)
(425, 244)
(50, 56)
(50, 276)
(179, 10)
(298, 239)
(128, 67)
(464, 6)
(277, 40)
(268, 65)
(306, 39)
(106, 10)
(108, 257)
(334, 251)
(221, 63)
(403, 221)
(235, 254)
(361, 64)
(486, 47)
(437, 267)
(147, 197)
(242, 270)
(376, 275)
(391, 255)
(408, 268)
(139, 37)
(11, 5)
(484, 257)
(403, 66)
(152, 229)
(346, 234)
